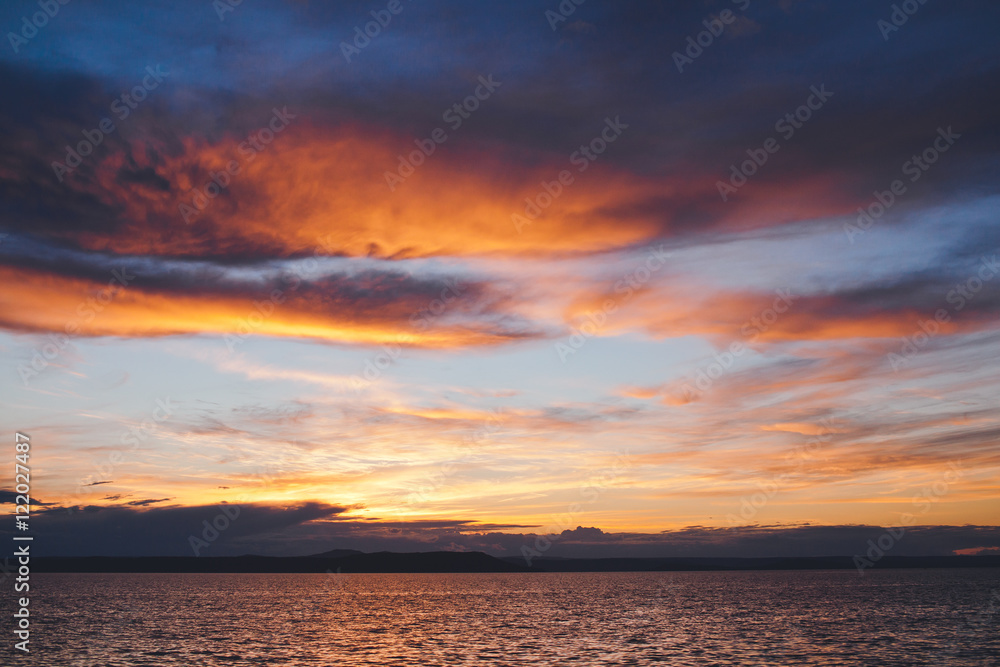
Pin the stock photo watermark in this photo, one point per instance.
(751, 330)
(786, 126)
(22, 516)
(714, 27)
(562, 13)
(581, 159)
(472, 444)
(755, 502)
(372, 29)
(265, 308)
(223, 7)
(255, 142)
(130, 439)
(959, 297)
(900, 14)
(914, 168)
(590, 493)
(88, 310)
(455, 115)
(420, 320)
(30, 27)
(122, 107)
(922, 502)
(211, 529)
(626, 287)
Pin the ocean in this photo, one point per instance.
(884, 617)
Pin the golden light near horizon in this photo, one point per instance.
(462, 302)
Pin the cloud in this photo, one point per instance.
(92, 295)
(316, 527)
(383, 260)
(135, 529)
(674, 308)
(11, 497)
(798, 427)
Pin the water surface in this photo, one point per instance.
(900, 617)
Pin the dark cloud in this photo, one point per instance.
(947, 288)
(384, 296)
(148, 501)
(11, 497)
(135, 529)
(307, 528)
(890, 98)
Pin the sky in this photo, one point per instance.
(599, 279)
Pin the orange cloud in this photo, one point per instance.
(320, 188)
(315, 188)
(799, 427)
(83, 307)
(673, 309)
(639, 392)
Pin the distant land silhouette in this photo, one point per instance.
(349, 561)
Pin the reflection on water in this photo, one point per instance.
(912, 617)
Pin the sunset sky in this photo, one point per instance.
(497, 272)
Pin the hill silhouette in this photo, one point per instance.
(350, 561)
